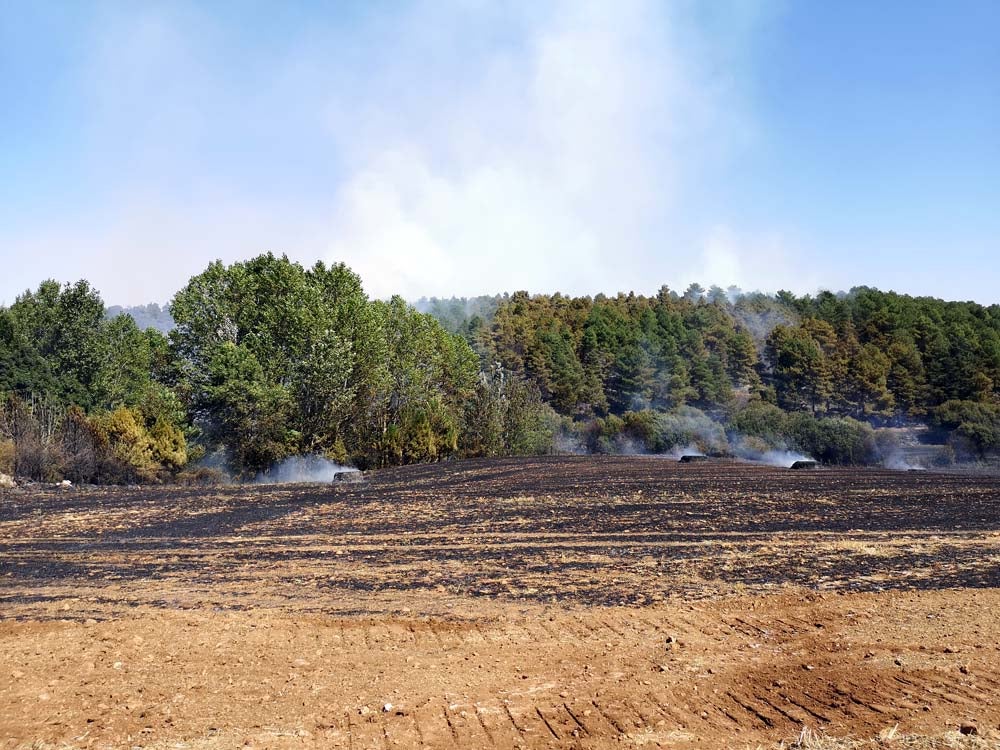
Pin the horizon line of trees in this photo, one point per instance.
(865, 358)
(866, 353)
(267, 359)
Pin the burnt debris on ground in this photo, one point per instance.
(577, 530)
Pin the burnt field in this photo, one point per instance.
(550, 602)
(581, 530)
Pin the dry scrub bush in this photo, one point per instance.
(46, 443)
(889, 739)
(83, 447)
(32, 428)
(7, 454)
(201, 477)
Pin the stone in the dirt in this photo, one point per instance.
(65, 483)
(968, 728)
(7, 481)
(387, 707)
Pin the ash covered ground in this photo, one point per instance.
(548, 602)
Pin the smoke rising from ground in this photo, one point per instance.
(899, 462)
(302, 469)
(783, 459)
(685, 431)
(689, 450)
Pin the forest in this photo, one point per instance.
(262, 360)
(726, 371)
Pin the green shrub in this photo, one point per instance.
(130, 449)
(761, 420)
(686, 425)
(167, 444)
(974, 426)
(832, 440)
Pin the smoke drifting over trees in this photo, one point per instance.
(267, 361)
(145, 316)
(749, 373)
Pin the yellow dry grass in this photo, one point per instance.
(890, 739)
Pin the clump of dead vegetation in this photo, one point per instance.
(967, 738)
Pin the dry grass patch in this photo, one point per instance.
(891, 738)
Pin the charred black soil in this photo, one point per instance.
(576, 603)
(577, 530)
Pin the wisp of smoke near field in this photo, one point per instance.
(898, 462)
(689, 450)
(302, 469)
(755, 451)
(783, 459)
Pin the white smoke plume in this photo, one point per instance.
(302, 469)
(689, 450)
(784, 459)
(898, 462)
(566, 444)
(757, 451)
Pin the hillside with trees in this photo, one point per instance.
(145, 316)
(673, 368)
(266, 359)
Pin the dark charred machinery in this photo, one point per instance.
(348, 477)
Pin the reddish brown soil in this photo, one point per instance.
(535, 603)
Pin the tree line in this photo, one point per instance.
(844, 363)
(267, 359)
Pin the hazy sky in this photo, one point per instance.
(465, 146)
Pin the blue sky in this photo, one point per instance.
(465, 147)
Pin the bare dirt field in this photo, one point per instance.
(575, 602)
